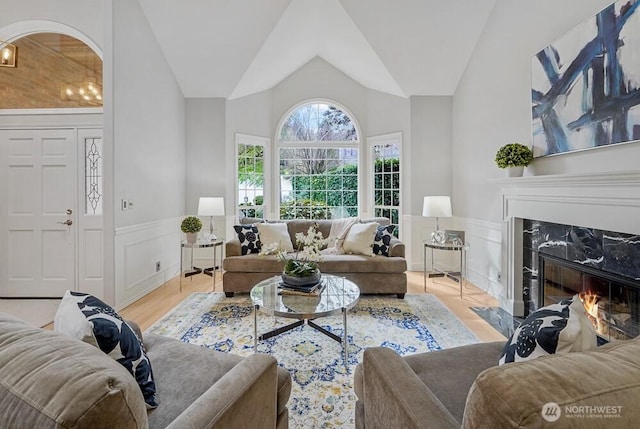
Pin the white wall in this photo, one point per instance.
(492, 107)
(149, 150)
(319, 79)
(83, 15)
(430, 172)
(206, 150)
(149, 123)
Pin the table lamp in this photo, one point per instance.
(211, 206)
(437, 206)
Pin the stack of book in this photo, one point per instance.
(307, 290)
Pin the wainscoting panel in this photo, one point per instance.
(137, 249)
(484, 255)
(483, 258)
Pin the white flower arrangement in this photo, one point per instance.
(305, 261)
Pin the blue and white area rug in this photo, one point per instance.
(322, 395)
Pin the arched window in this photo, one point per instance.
(53, 71)
(318, 149)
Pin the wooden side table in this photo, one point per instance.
(434, 272)
(193, 270)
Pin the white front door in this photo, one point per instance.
(38, 208)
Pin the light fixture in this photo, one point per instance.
(8, 54)
(88, 90)
(437, 206)
(211, 206)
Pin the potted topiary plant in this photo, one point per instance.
(191, 225)
(514, 157)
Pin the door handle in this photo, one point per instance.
(67, 222)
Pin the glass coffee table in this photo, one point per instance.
(337, 295)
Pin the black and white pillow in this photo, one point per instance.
(557, 328)
(249, 238)
(384, 234)
(87, 318)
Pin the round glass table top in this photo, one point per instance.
(335, 294)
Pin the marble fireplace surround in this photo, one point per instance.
(606, 201)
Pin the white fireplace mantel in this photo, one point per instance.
(606, 201)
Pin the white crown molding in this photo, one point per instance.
(616, 178)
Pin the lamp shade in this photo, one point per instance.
(211, 206)
(438, 206)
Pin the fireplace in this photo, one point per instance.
(602, 267)
(598, 202)
(612, 302)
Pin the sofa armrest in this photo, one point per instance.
(394, 396)
(396, 248)
(245, 397)
(232, 247)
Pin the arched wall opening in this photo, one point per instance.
(57, 67)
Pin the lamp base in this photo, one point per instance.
(438, 237)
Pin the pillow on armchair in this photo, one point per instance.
(557, 328)
(86, 318)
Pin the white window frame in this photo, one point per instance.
(265, 142)
(384, 139)
(323, 144)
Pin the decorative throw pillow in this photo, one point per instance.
(556, 328)
(275, 233)
(382, 240)
(249, 238)
(359, 239)
(87, 318)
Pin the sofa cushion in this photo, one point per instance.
(249, 238)
(514, 395)
(105, 329)
(180, 364)
(330, 264)
(49, 380)
(278, 233)
(359, 239)
(556, 328)
(382, 240)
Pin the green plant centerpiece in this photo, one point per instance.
(301, 267)
(513, 155)
(191, 225)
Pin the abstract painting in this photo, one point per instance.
(585, 87)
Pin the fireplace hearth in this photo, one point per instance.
(603, 267)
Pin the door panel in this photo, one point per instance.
(37, 257)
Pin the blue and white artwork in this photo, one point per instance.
(585, 87)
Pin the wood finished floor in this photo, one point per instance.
(153, 306)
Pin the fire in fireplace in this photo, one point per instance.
(612, 303)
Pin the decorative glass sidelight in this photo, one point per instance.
(93, 175)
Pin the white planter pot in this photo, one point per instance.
(514, 171)
(192, 237)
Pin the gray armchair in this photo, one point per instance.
(49, 380)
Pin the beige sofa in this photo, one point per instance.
(49, 380)
(464, 387)
(373, 275)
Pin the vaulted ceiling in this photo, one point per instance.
(223, 48)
